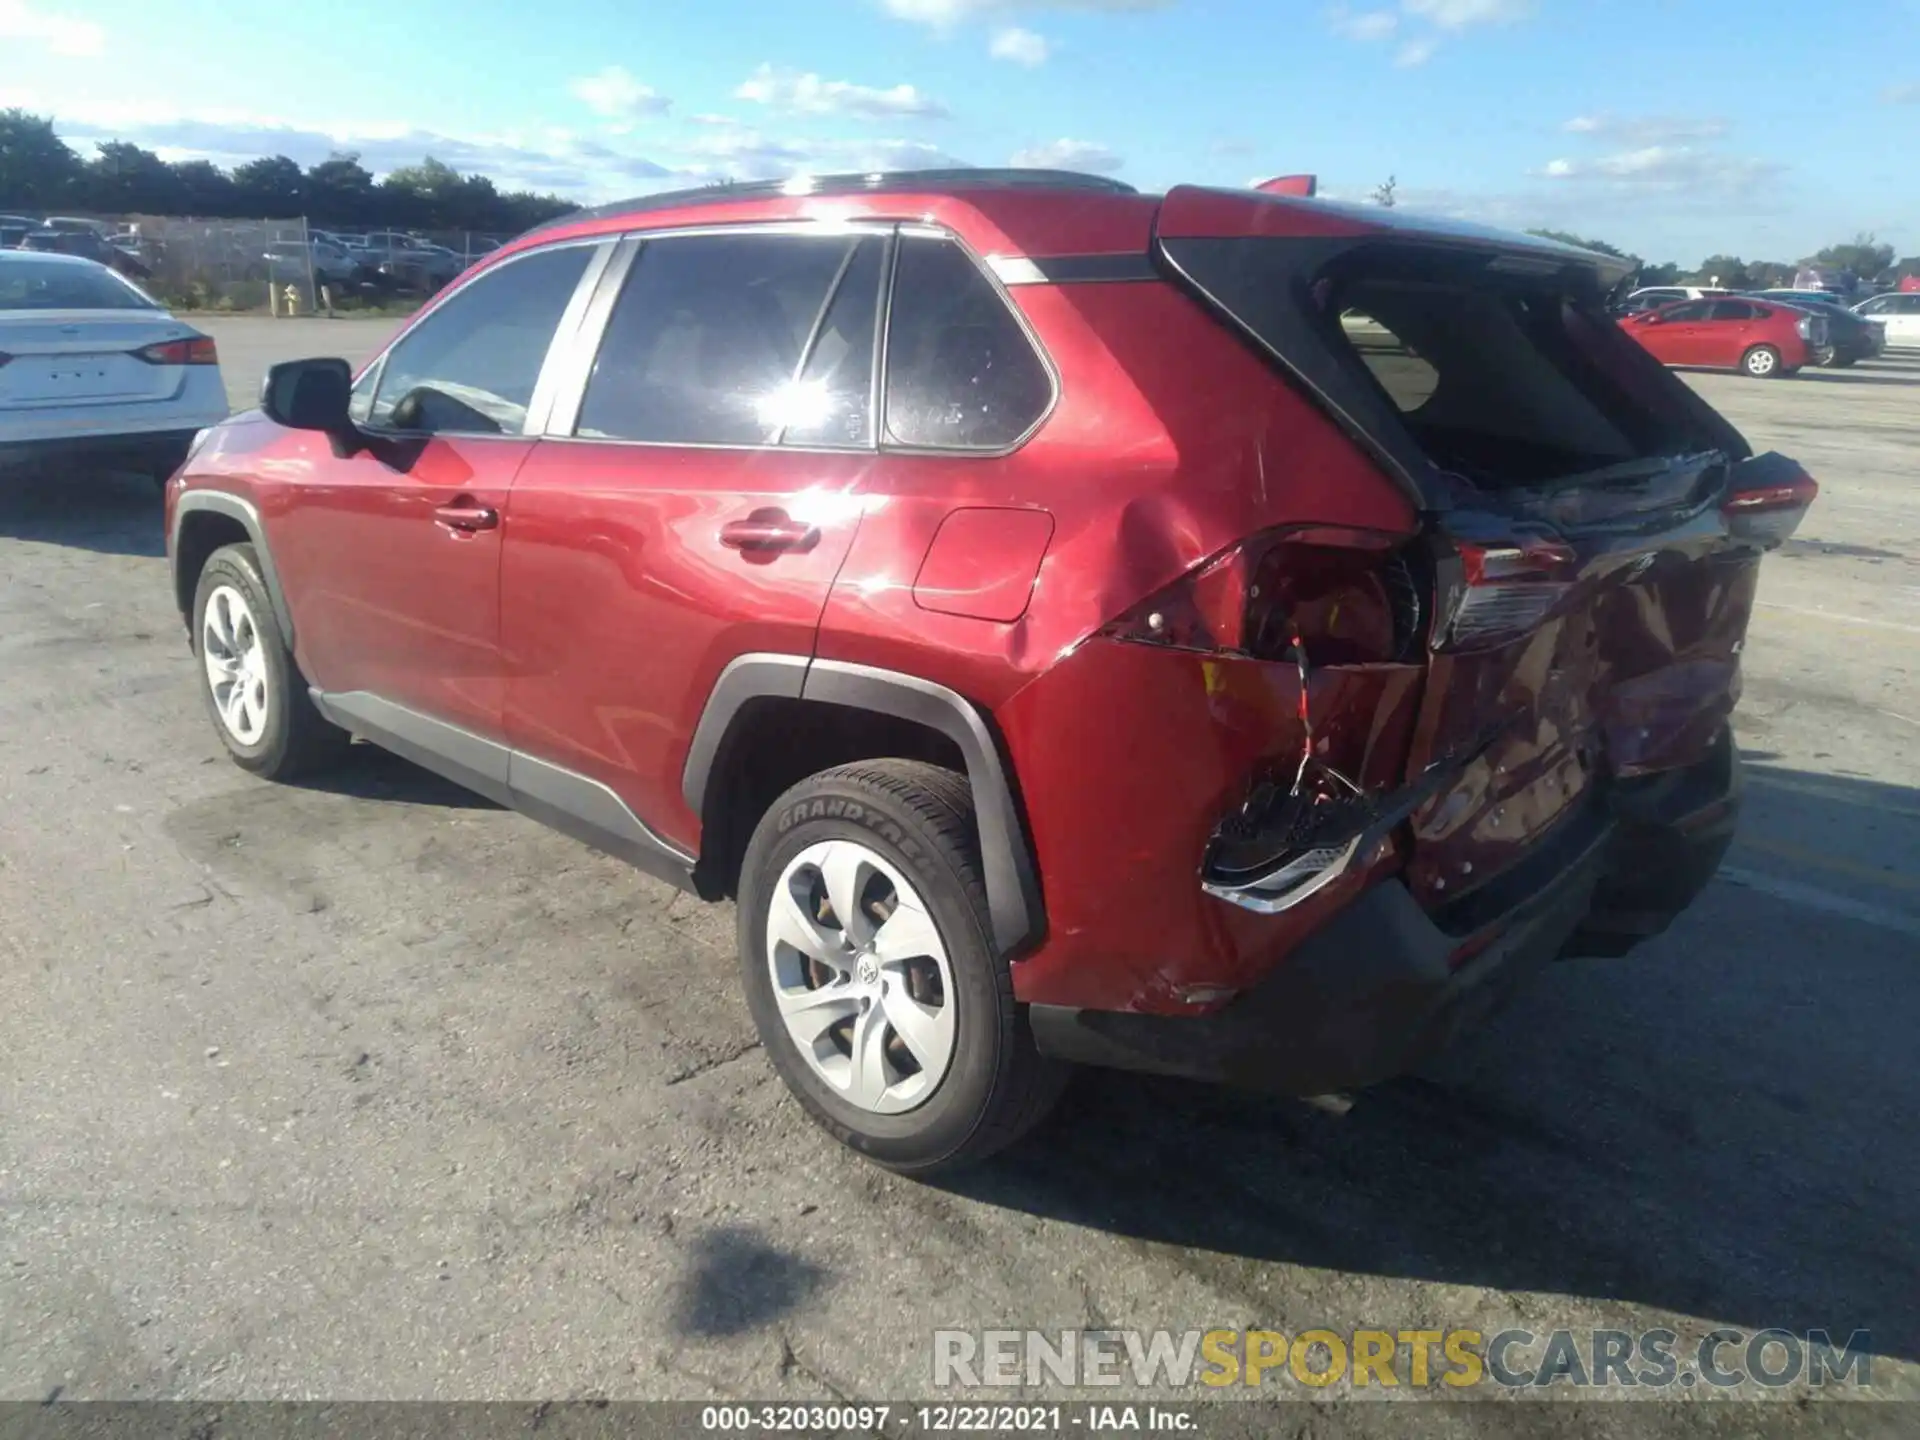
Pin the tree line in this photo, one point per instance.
(41, 174)
(1864, 255)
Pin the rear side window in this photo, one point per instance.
(961, 372)
(706, 343)
(1735, 310)
(1698, 310)
(470, 366)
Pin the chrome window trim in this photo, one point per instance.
(560, 348)
(376, 368)
(583, 348)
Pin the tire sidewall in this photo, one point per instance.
(234, 566)
(930, 1132)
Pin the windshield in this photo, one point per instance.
(34, 282)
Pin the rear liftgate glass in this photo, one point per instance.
(1581, 589)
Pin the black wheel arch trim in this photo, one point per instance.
(1013, 889)
(220, 502)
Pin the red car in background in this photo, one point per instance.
(1762, 339)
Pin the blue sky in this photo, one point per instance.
(1670, 127)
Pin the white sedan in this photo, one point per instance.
(1900, 313)
(93, 369)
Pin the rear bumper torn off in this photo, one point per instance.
(1384, 985)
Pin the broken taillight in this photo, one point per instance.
(1347, 596)
(1767, 510)
(1505, 590)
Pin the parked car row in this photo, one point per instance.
(1766, 333)
(69, 235)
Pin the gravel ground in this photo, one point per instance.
(371, 1089)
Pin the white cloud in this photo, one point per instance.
(1901, 94)
(60, 34)
(1687, 168)
(1643, 130)
(1069, 155)
(613, 94)
(584, 167)
(808, 94)
(1463, 14)
(1365, 26)
(1022, 47)
(943, 14)
(1420, 25)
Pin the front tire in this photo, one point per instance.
(254, 690)
(867, 958)
(1762, 362)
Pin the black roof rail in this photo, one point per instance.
(871, 183)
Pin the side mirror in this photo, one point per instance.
(311, 395)
(1646, 317)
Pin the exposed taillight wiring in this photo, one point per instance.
(1506, 591)
(1346, 595)
(1768, 508)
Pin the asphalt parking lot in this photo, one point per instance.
(373, 1090)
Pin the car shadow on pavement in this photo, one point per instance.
(370, 773)
(110, 513)
(1725, 1124)
(1860, 377)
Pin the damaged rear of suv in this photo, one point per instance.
(1444, 752)
(1215, 633)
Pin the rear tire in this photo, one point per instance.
(896, 840)
(1843, 362)
(254, 691)
(1762, 362)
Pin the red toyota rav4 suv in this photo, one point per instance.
(1218, 633)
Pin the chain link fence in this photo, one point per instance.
(283, 266)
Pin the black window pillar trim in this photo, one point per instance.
(1013, 890)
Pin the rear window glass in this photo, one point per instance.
(1484, 377)
(28, 282)
(1403, 373)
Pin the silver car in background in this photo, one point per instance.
(93, 370)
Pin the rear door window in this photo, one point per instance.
(471, 365)
(1734, 310)
(962, 373)
(740, 339)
